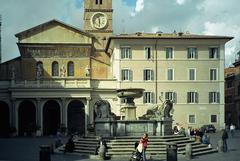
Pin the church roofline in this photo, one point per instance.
(54, 21)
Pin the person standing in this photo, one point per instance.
(144, 142)
(224, 139)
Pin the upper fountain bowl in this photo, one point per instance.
(130, 92)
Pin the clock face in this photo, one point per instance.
(99, 20)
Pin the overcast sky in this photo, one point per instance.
(212, 17)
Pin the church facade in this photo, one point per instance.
(62, 72)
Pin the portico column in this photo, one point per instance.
(13, 114)
(64, 112)
(39, 113)
(87, 109)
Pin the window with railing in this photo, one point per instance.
(169, 53)
(214, 97)
(213, 53)
(148, 97)
(192, 97)
(148, 74)
(126, 53)
(192, 53)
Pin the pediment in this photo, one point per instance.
(54, 31)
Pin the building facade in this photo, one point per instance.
(187, 69)
(232, 94)
(62, 73)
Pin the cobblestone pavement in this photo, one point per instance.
(27, 149)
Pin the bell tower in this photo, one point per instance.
(98, 20)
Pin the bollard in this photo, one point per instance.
(44, 154)
(188, 150)
(172, 152)
(220, 146)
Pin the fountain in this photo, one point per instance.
(157, 121)
(129, 107)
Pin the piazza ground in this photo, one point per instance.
(27, 149)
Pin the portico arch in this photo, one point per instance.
(4, 119)
(76, 117)
(51, 117)
(26, 118)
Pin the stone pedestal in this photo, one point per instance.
(130, 112)
(104, 127)
(164, 126)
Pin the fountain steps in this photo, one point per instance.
(124, 146)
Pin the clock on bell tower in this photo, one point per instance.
(98, 18)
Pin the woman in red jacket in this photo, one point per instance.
(144, 142)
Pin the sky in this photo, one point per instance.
(208, 17)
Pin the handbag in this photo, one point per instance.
(140, 147)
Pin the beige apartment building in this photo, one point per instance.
(187, 69)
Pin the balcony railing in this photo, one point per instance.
(63, 83)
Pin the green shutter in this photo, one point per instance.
(218, 97)
(130, 75)
(210, 97)
(196, 53)
(144, 97)
(174, 97)
(152, 75)
(130, 53)
(197, 97)
(152, 97)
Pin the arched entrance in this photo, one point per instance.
(26, 118)
(51, 117)
(4, 119)
(76, 117)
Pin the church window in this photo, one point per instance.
(100, 1)
(96, 1)
(70, 69)
(55, 69)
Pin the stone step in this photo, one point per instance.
(132, 146)
(85, 142)
(199, 150)
(85, 145)
(195, 146)
(129, 153)
(149, 137)
(183, 141)
(131, 149)
(84, 151)
(184, 144)
(205, 152)
(85, 148)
